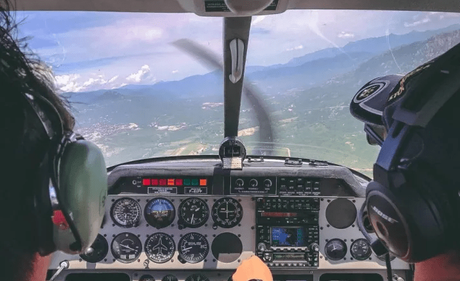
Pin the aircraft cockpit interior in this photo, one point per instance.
(227, 130)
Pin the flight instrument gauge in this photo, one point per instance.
(160, 247)
(360, 249)
(335, 249)
(193, 247)
(193, 212)
(126, 247)
(227, 212)
(159, 212)
(197, 277)
(126, 212)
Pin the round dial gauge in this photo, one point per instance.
(360, 249)
(193, 212)
(159, 212)
(160, 247)
(126, 247)
(227, 212)
(335, 249)
(193, 247)
(169, 277)
(126, 212)
(197, 277)
(97, 251)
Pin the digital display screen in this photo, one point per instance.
(289, 257)
(289, 236)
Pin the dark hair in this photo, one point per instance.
(21, 151)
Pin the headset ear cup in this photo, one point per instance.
(404, 220)
(82, 193)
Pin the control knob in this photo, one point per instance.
(268, 257)
(268, 183)
(262, 247)
(314, 247)
(253, 183)
(239, 182)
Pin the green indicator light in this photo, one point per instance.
(187, 182)
(195, 182)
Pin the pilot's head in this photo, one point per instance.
(413, 202)
(53, 182)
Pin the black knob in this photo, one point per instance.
(268, 183)
(314, 247)
(262, 247)
(253, 183)
(268, 257)
(239, 182)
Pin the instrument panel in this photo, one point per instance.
(189, 218)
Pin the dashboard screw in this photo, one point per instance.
(105, 260)
(252, 227)
(80, 260)
(239, 260)
(352, 225)
(327, 225)
(213, 235)
(321, 228)
(213, 260)
(239, 235)
(113, 200)
(205, 260)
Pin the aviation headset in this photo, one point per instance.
(69, 198)
(412, 215)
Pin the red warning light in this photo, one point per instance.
(162, 182)
(179, 182)
(170, 181)
(146, 182)
(154, 182)
(203, 182)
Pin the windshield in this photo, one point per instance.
(137, 96)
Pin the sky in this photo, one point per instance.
(104, 50)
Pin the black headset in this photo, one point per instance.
(410, 214)
(71, 185)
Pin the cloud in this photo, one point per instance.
(300, 47)
(175, 71)
(344, 34)
(415, 23)
(68, 83)
(141, 76)
(77, 83)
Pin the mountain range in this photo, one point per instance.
(307, 99)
